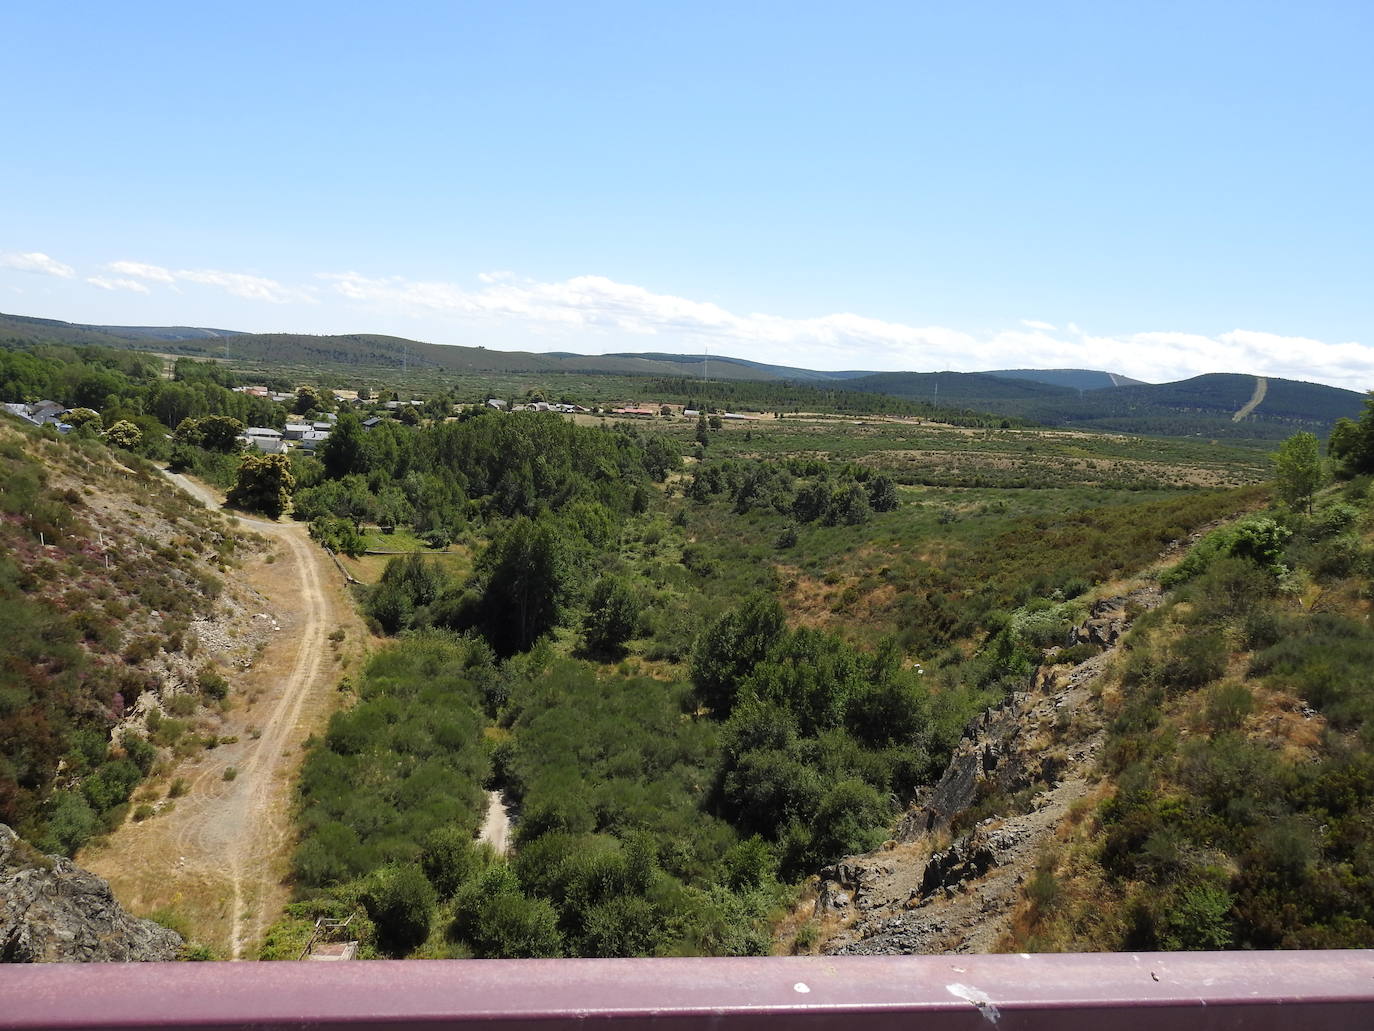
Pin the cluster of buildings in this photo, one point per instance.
(537, 406)
(41, 413)
(289, 396)
(306, 436)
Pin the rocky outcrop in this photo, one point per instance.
(51, 911)
(1031, 754)
(985, 760)
(1105, 624)
(994, 756)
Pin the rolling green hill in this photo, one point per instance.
(1079, 379)
(22, 329)
(1080, 398)
(1201, 406)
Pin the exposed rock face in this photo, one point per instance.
(986, 759)
(1040, 743)
(51, 911)
(1106, 623)
(993, 755)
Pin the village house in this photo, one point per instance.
(41, 413)
(313, 439)
(269, 442)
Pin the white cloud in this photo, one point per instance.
(252, 288)
(601, 306)
(156, 273)
(117, 284)
(592, 313)
(36, 261)
(239, 284)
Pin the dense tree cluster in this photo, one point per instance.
(817, 734)
(804, 488)
(406, 760)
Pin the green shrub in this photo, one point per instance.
(111, 785)
(1198, 919)
(450, 858)
(181, 704)
(497, 920)
(1227, 706)
(137, 748)
(1194, 660)
(212, 684)
(71, 820)
(401, 903)
(612, 616)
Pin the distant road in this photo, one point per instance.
(1261, 388)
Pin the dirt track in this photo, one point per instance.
(496, 825)
(219, 856)
(1261, 389)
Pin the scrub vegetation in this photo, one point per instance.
(702, 657)
(1238, 781)
(698, 672)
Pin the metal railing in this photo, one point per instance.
(1176, 991)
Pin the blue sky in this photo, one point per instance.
(1156, 189)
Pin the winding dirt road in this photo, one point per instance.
(218, 858)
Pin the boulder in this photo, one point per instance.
(52, 911)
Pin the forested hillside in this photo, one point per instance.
(1201, 406)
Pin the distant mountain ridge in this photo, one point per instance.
(25, 328)
(1207, 405)
(1080, 398)
(380, 350)
(1079, 379)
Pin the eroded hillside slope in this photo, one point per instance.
(124, 621)
(1206, 781)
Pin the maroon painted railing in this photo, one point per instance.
(1176, 991)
